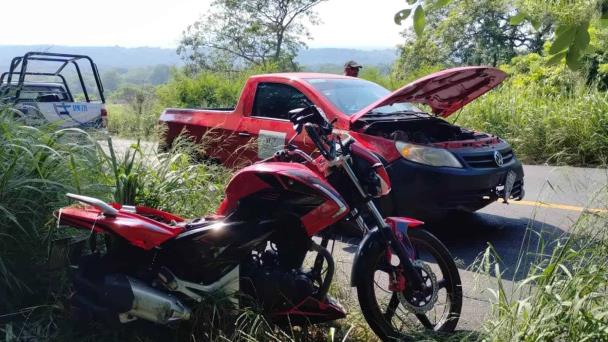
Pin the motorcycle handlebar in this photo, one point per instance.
(301, 154)
(280, 155)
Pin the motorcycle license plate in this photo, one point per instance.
(509, 182)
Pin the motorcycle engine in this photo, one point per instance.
(271, 286)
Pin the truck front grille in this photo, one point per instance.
(486, 159)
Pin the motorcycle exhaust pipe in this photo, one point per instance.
(132, 299)
(153, 305)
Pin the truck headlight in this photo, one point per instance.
(427, 155)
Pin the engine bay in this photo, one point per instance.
(421, 131)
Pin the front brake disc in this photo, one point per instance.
(420, 303)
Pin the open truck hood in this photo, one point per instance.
(445, 91)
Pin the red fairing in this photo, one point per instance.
(323, 216)
(136, 228)
(376, 164)
(247, 182)
(242, 184)
(394, 222)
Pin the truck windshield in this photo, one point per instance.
(352, 95)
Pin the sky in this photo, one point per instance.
(156, 23)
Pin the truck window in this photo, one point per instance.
(41, 93)
(275, 100)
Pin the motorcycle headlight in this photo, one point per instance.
(427, 155)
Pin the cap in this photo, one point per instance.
(353, 64)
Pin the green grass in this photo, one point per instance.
(125, 121)
(563, 296)
(37, 167)
(175, 181)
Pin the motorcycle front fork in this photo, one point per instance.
(409, 271)
(411, 274)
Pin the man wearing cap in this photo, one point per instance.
(351, 68)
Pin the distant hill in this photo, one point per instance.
(105, 57)
(319, 57)
(120, 57)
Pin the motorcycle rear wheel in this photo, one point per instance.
(384, 309)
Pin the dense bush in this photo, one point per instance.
(545, 118)
(175, 181)
(206, 88)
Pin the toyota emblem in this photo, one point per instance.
(498, 158)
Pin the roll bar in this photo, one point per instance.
(61, 58)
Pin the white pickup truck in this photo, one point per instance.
(41, 97)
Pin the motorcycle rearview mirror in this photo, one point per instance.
(295, 116)
(311, 114)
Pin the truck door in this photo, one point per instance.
(269, 119)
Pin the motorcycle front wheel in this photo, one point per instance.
(394, 314)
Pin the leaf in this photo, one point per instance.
(604, 22)
(411, 2)
(555, 59)
(402, 15)
(419, 20)
(573, 58)
(563, 40)
(582, 38)
(442, 3)
(535, 23)
(517, 19)
(578, 44)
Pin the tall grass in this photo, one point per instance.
(125, 121)
(37, 167)
(176, 181)
(567, 127)
(563, 296)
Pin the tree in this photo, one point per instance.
(471, 32)
(160, 74)
(240, 33)
(111, 79)
(571, 17)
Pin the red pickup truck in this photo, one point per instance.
(435, 166)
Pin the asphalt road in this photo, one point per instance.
(555, 198)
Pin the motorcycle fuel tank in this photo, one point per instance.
(275, 187)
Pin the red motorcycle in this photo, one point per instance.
(157, 266)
